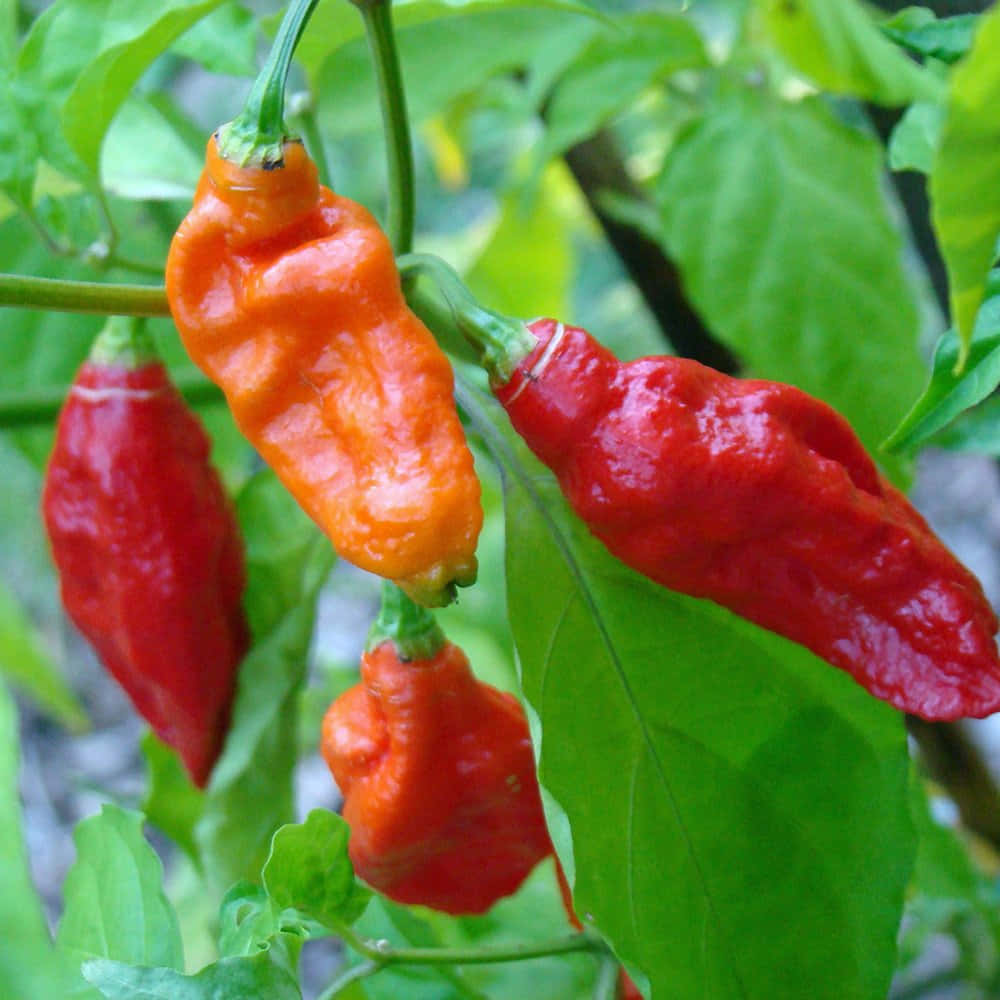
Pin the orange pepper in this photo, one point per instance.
(287, 296)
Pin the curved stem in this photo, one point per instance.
(502, 341)
(413, 630)
(257, 134)
(382, 953)
(377, 15)
(60, 295)
(34, 407)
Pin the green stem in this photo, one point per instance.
(382, 953)
(124, 343)
(37, 407)
(377, 15)
(410, 628)
(255, 137)
(503, 342)
(62, 295)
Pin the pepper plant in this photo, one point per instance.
(728, 813)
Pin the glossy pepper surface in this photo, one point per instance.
(761, 498)
(148, 549)
(287, 296)
(438, 778)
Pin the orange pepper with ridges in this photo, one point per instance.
(287, 296)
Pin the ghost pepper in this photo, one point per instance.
(436, 769)
(147, 546)
(287, 296)
(749, 493)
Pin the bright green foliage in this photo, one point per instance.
(27, 961)
(950, 392)
(918, 30)
(250, 793)
(775, 214)
(736, 768)
(916, 138)
(114, 901)
(172, 803)
(25, 662)
(836, 44)
(308, 870)
(256, 977)
(964, 192)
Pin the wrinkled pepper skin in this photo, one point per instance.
(761, 498)
(287, 296)
(149, 553)
(438, 778)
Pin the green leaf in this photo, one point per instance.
(836, 44)
(144, 158)
(308, 870)
(250, 792)
(976, 430)
(481, 43)
(27, 966)
(114, 901)
(25, 662)
(526, 267)
(248, 920)
(947, 394)
(916, 137)
(134, 35)
(775, 215)
(613, 70)
(943, 867)
(172, 804)
(922, 33)
(223, 42)
(333, 25)
(257, 977)
(965, 196)
(752, 838)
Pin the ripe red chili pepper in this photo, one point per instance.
(437, 773)
(761, 498)
(148, 550)
(749, 493)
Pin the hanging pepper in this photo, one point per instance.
(148, 550)
(749, 493)
(436, 769)
(287, 296)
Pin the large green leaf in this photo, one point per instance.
(922, 33)
(256, 977)
(172, 804)
(965, 196)
(750, 836)
(250, 792)
(223, 42)
(480, 44)
(114, 906)
(25, 661)
(775, 215)
(27, 966)
(837, 45)
(948, 393)
(613, 70)
(916, 137)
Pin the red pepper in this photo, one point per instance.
(762, 499)
(147, 546)
(436, 769)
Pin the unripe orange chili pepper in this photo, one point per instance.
(437, 773)
(287, 296)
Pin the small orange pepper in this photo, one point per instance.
(287, 296)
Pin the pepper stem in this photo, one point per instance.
(503, 342)
(377, 15)
(123, 342)
(255, 137)
(409, 627)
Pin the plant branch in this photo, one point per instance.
(377, 15)
(597, 165)
(23, 292)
